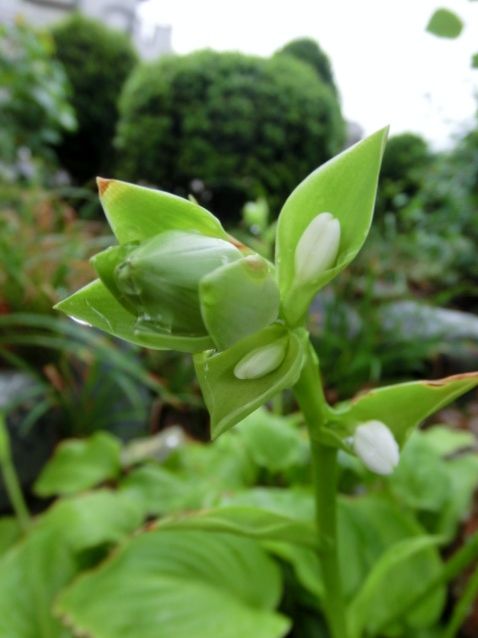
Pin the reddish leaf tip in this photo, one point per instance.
(102, 184)
(464, 376)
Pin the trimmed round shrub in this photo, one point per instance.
(97, 61)
(405, 163)
(226, 127)
(308, 51)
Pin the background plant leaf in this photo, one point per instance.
(445, 24)
(78, 465)
(246, 521)
(187, 583)
(363, 606)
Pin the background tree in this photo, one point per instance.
(308, 50)
(97, 61)
(226, 127)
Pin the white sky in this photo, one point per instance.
(387, 67)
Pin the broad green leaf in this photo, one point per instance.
(31, 575)
(96, 306)
(273, 441)
(421, 480)
(404, 406)
(295, 503)
(10, 532)
(463, 476)
(79, 465)
(34, 570)
(364, 605)
(93, 519)
(239, 299)
(445, 24)
(136, 213)
(246, 521)
(370, 526)
(159, 491)
(230, 399)
(345, 187)
(180, 584)
(446, 440)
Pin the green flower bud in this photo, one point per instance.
(261, 361)
(317, 248)
(160, 279)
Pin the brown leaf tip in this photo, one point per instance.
(102, 184)
(464, 376)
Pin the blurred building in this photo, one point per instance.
(119, 14)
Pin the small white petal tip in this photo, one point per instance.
(317, 248)
(261, 361)
(376, 446)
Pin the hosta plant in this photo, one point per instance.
(177, 280)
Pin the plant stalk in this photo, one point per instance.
(10, 479)
(309, 394)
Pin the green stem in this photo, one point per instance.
(454, 566)
(463, 606)
(10, 479)
(309, 394)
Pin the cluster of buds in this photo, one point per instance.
(177, 280)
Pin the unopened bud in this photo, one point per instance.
(317, 249)
(261, 361)
(375, 444)
(161, 278)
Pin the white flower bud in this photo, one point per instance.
(317, 249)
(375, 444)
(261, 361)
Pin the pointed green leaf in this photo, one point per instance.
(445, 24)
(246, 521)
(362, 609)
(179, 584)
(230, 399)
(346, 188)
(136, 213)
(96, 306)
(404, 406)
(239, 299)
(78, 465)
(474, 61)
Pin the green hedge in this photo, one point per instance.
(97, 61)
(226, 127)
(308, 51)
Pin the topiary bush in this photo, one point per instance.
(406, 160)
(97, 61)
(226, 127)
(308, 51)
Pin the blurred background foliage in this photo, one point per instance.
(237, 133)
